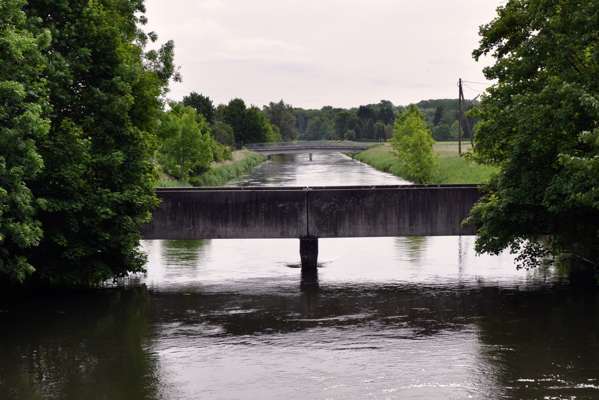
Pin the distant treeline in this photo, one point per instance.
(372, 121)
(237, 124)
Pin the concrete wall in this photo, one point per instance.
(228, 213)
(390, 211)
(237, 213)
(308, 149)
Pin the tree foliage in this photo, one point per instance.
(202, 104)
(97, 181)
(23, 104)
(250, 124)
(281, 115)
(186, 145)
(413, 145)
(540, 123)
(223, 133)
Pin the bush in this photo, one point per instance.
(412, 143)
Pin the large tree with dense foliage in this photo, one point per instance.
(186, 145)
(540, 124)
(23, 104)
(97, 182)
(223, 133)
(412, 143)
(281, 115)
(202, 104)
(250, 124)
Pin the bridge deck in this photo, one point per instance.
(309, 146)
(295, 212)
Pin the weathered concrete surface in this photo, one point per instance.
(312, 150)
(390, 211)
(322, 146)
(358, 211)
(228, 214)
(309, 253)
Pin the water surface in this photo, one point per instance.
(393, 318)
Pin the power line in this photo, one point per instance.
(478, 83)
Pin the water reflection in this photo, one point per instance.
(324, 170)
(411, 247)
(378, 341)
(392, 318)
(182, 252)
(80, 346)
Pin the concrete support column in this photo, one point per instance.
(309, 256)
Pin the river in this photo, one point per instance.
(393, 318)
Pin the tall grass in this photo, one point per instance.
(451, 169)
(169, 182)
(221, 174)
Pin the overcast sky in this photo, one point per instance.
(313, 53)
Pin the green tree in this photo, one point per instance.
(99, 176)
(234, 115)
(23, 103)
(379, 131)
(223, 133)
(186, 145)
(385, 112)
(539, 124)
(438, 115)
(202, 104)
(412, 143)
(281, 115)
(258, 128)
(249, 124)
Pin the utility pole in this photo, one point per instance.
(464, 123)
(460, 113)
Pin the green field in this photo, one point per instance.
(220, 173)
(451, 168)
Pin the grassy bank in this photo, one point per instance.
(220, 173)
(451, 169)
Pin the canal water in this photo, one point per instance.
(393, 318)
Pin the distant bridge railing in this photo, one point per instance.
(310, 145)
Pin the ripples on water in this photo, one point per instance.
(394, 318)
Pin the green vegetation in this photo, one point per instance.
(185, 143)
(76, 175)
(242, 162)
(451, 168)
(540, 125)
(442, 117)
(249, 124)
(202, 104)
(412, 143)
(23, 103)
(282, 116)
(371, 122)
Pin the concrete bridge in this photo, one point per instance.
(309, 213)
(315, 146)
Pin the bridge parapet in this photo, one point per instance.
(295, 212)
(309, 146)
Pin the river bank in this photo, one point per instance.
(452, 168)
(241, 163)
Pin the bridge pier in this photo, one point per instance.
(309, 257)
